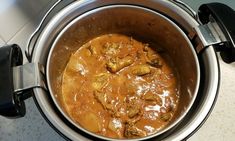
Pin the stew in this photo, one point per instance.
(118, 87)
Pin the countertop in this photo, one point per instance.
(19, 19)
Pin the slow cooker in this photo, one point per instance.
(208, 32)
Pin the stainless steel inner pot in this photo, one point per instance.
(140, 23)
(159, 22)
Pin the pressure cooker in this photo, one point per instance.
(192, 40)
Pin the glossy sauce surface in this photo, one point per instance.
(118, 87)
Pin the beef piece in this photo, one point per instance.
(166, 116)
(105, 101)
(133, 111)
(153, 58)
(134, 108)
(131, 131)
(111, 48)
(100, 80)
(156, 62)
(141, 70)
(93, 49)
(116, 64)
(102, 98)
(151, 97)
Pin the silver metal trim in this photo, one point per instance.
(184, 6)
(28, 76)
(209, 34)
(176, 13)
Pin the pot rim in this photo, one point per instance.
(77, 19)
(36, 58)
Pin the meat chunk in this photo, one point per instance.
(150, 52)
(141, 70)
(166, 116)
(131, 131)
(146, 48)
(151, 97)
(152, 57)
(112, 45)
(156, 62)
(104, 100)
(133, 108)
(100, 80)
(116, 64)
(93, 49)
(133, 111)
(111, 48)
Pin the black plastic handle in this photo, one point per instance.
(11, 105)
(225, 18)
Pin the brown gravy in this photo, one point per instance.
(118, 87)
